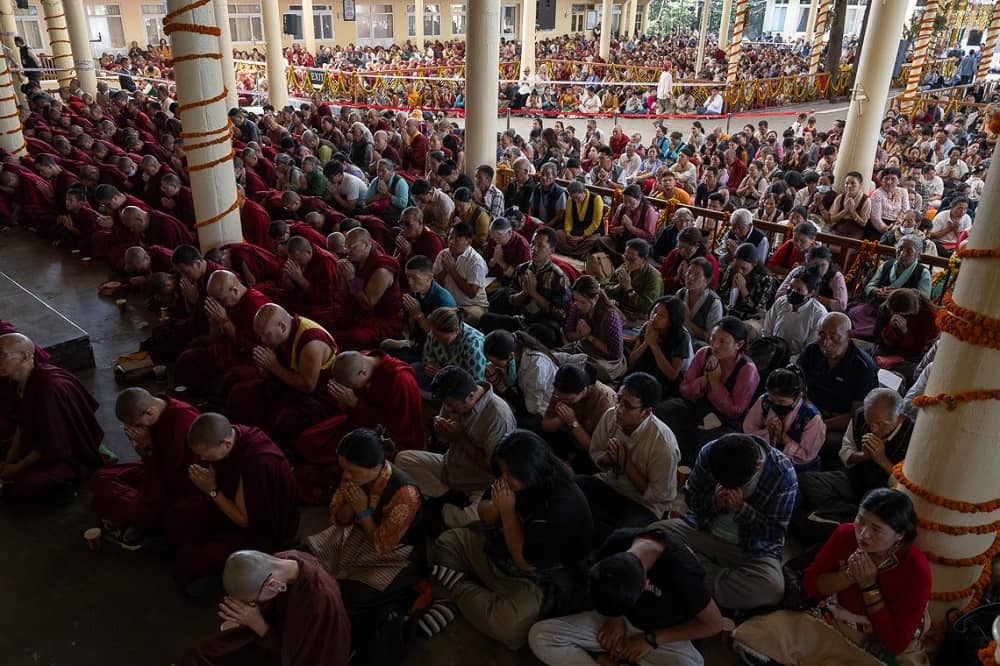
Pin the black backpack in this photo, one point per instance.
(768, 353)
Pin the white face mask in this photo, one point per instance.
(906, 231)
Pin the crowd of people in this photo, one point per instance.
(606, 456)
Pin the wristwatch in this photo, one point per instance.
(574, 425)
(650, 637)
(213, 493)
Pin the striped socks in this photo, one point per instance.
(446, 576)
(434, 620)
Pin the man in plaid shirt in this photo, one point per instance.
(487, 193)
(740, 497)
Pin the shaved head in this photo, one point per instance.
(209, 431)
(133, 216)
(17, 357)
(348, 366)
(297, 245)
(358, 235)
(272, 324)
(136, 259)
(220, 283)
(336, 242)
(836, 321)
(132, 403)
(16, 343)
(246, 571)
(314, 220)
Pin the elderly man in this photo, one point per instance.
(548, 201)
(415, 147)
(294, 361)
(312, 282)
(462, 271)
(838, 374)
(247, 498)
(521, 187)
(741, 230)
(230, 309)
(666, 240)
(505, 250)
(57, 437)
(635, 285)
(283, 604)
(372, 299)
(415, 238)
(472, 420)
(134, 497)
(877, 438)
(581, 222)
(388, 193)
(949, 224)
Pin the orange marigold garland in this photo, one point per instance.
(954, 505)
(986, 654)
(868, 251)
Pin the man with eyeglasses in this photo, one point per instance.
(520, 189)
(371, 278)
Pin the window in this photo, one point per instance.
(106, 21)
(640, 11)
(374, 23)
(152, 22)
(28, 26)
(778, 19)
(432, 20)
(508, 21)
(246, 24)
(457, 20)
(616, 19)
(578, 20)
(593, 17)
(803, 19)
(322, 21)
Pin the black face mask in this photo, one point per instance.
(796, 298)
(782, 410)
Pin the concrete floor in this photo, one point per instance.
(66, 606)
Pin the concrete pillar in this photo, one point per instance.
(8, 31)
(989, 45)
(61, 47)
(811, 21)
(277, 68)
(727, 10)
(623, 26)
(221, 8)
(201, 98)
(706, 13)
(79, 37)
(952, 453)
(735, 46)
(482, 62)
(871, 88)
(605, 48)
(817, 35)
(921, 53)
(308, 27)
(11, 134)
(418, 25)
(528, 20)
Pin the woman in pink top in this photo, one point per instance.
(888, 201)
(786, 419)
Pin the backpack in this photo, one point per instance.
(768, 353)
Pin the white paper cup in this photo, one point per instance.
(93, 537)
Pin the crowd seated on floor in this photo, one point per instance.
(409, 346)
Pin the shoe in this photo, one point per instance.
(751, 658)
(816, 518)
(130, 538)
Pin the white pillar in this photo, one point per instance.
(528, 20)
(8, 31)
(201, 98)
(277, 74)
(11, 134)
(727, 10)
(221, 8)
(953, 451)
(623, 25)
(308, 29)
(418, 25)
(62, 48)
(706, 13)
(605, 49)
(79, 37)
(482, 62)
(871, 88)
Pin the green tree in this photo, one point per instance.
(665, 16)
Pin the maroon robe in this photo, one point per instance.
(309, 627)
(254, 186)
(137, 493)
(265, 169)
(391, 399)
(271, 404)
(183, 208)
(166, 230)
(309, 233)
(515, 252)
(85, 237)
(161, 259)
(55, 417)
(205, 536)
(368, 328)
(250, 258)
(256, 224)
(322, 301)
(8, 390)
(204, 366)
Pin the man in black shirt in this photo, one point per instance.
(649, 601)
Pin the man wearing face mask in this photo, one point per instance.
(795, 316)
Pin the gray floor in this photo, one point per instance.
(60, 604)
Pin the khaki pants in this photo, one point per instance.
(734, 579)
(502, 607)
(427, 469)
(795, 638)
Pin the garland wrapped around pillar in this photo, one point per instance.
(11, 130)
(819, 32)
(59, 42)
(736, 43)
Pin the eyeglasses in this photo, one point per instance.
(625, 406)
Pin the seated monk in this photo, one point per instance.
(77, 223)
(311, 282)
(371, 390)
(371, 278)
(57, 437)
(134, 496)
(294, 205)
(255, 265)
(295, 364)
(176, 199)
(288, 611)
(254, 220)
(141, 262)
(156, 228)
(247, 501)
(336, 244)
(8, 389)
(281, 230)
(230, 309)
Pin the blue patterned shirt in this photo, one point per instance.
(465, 351)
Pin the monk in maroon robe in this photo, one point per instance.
(289, 611)
(312, 282)
(255, 221)
(136, 494)
(415, 239)
(230, 308)
(247, 498)
(176, 199)
(57, 436)
(294, 366)
(372, 390)
(156, 228)
(372, 294)
(141, 262)
(31, 193)
(8, 389)
(76, 226)
(280, 231)
(254, 264)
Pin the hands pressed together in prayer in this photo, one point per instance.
(861, 568)
(345, 395)
(189, 290)
(775, 429)
(617, 454)
(445, 429)
(244, 614)
(215, 311)
(728, 499)
(346, 269)
(874, 447)
(292, 269)
(355, 496)
(502, 497)
(411, 305)
(203, 478)
(530, 284)
(141, 440)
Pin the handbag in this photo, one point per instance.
(133, 367)
(966, 636)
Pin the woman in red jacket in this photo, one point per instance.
(875, 583)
